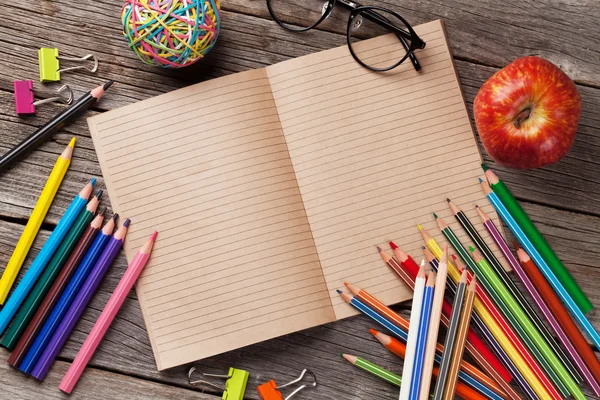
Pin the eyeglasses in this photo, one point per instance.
(365, 22)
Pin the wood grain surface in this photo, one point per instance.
(562, 199)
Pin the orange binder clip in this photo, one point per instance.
(270, 390)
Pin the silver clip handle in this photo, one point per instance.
(82, 59)
(68, 99)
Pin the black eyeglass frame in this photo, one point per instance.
(371, 13)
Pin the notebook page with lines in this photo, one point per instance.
(375, 154)
(267, 198)
(234, 263)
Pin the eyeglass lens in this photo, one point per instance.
(387, 51)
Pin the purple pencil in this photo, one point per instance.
(83, 297)
(539, 301)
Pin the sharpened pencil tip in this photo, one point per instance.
(339, 291)
(93, 181)
(484, 167)
(127, 223)
(99, 193)
(423, 247)
(476, 206)
(393, 245)
(72, 142)
(108, 84)
(435, 216)
(373, 332)
(154, 235)
(471, 249)
(346, 284)
(448, 200)
(115, 217)
(480, 180)
(420, 227)
(379, 249)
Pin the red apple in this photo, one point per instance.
(527, 113)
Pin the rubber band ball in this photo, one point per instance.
(171, 33)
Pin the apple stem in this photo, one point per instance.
(522, 116)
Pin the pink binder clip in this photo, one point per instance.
(24, 103)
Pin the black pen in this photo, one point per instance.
(82, 104)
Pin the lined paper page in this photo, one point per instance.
(375, 154)
(207, 166)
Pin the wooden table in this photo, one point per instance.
(485, 35)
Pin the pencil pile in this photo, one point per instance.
(535, 345)
(43, 308)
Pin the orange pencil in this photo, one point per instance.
(399, 349)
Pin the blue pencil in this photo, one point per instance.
(541, 263)
(44, 256)
(403, 334)
(67, 297)
(415, 382)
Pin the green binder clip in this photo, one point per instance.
(235, 382)
(49, 64)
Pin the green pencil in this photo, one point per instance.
(533, 333)
(535, 349)
(374, 369)
(538, 241)
(37, 294)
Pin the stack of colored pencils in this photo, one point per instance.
(42, 310)
(522, 335)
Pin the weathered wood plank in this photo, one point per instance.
(94, 384)
(126, 347)
(495, 33)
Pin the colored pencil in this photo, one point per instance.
(556, 327)
(66, 299)
(83, 297)
(461, 337)
(41, 261)
(35, 221)
(536, 240)
(411, 343)
(500, 273)
(474, 235)
(405, 275)
(401, 329)
(52, 126)
(387, 313)
(533, 382)
(526, 335)
(374, 369)
(559, 312)
(55, 291)
(416, 380)
(504, 389)
(450, 341)
(406, 261)
(475, 345)
(519, 315)
(107, 316)
(399, 349)
(541, 263)
(46, 279)
(434, 325)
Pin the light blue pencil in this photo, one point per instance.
(403, 334)
(41, 261)
(541, 263)
(415, 381)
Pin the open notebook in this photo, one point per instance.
(271, 187)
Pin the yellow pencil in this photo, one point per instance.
(35, 221)
(492, 325)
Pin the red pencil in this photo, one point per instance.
(475, 346)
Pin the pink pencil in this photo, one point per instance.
(106, 317)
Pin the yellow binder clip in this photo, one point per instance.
(49, 64)
(270, 390)
(235, 382)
